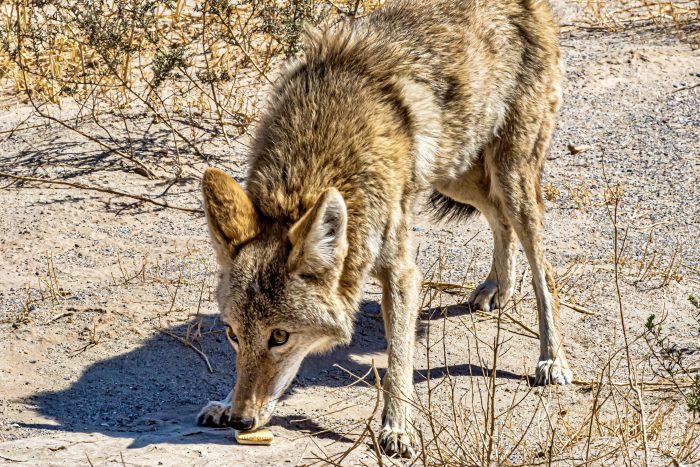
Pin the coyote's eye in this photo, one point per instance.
(231, 336)
(278, 337)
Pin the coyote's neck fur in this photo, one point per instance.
(335, 122)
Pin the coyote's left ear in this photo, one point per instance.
(232, 218)
(319, 238)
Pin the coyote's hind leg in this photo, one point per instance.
(472, 188)
(516, 171)
(497, 289)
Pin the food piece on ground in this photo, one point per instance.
(260, 437)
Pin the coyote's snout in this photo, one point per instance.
(456, 98)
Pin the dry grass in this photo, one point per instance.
(551, 192)
(638, 405)
(639, 408)
(195, 69)
(634, 408)
(681, 16)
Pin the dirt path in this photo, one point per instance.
(87, 377)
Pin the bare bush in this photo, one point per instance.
(188, 66)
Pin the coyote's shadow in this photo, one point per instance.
(153, 393)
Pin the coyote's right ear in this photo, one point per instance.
(319, 239)
(232, 218)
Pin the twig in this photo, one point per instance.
(444, 286)
(240, 46)
(686, 88)
(488, 315)
(98, 189)
(378, 387)
(190, 345)
(9, 459)
(57, 317)
(144, 168)
(303, 453)
(648, 385)
(578, 308)
(631, 373)
(491, 404)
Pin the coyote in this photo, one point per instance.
(453, 100)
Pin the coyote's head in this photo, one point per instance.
(278, 290)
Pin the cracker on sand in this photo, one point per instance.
(262, 437)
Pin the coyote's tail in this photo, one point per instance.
(443, 207)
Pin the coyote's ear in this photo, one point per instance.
(231, 216)
(319, 238)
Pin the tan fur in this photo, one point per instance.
(454, 96)
(231, 216)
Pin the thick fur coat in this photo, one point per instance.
(453, 98)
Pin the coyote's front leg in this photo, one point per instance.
(400, 284)
(216, 413)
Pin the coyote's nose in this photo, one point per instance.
(241, 423)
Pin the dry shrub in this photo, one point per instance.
(619, 15)
(187, 65)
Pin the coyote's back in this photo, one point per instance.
(440, 73)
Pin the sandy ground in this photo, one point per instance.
(92, 286)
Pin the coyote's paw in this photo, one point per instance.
(214, 414)
(489, 296)
(396, 442)
(553, 372)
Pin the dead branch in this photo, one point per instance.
(98, 189)
(191, 346)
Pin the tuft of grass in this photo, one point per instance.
(551, 192)
(672, 362)
(579, 195)
(694, 301)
